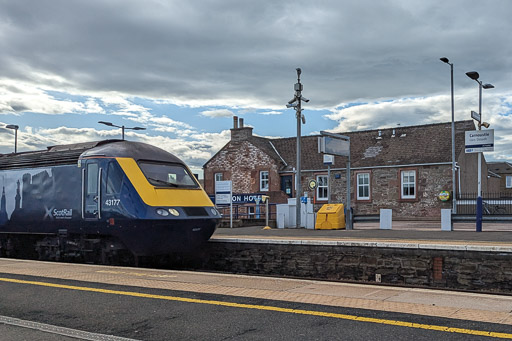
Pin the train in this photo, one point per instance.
(101, 202)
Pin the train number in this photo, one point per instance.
(112, 202)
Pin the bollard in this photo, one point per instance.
(265, 199)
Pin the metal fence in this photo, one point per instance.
(493, 203)
(248, 211)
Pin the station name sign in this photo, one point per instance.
(479, 141)
(242, 198)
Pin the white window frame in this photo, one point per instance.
(508, 181)
(264, 181)
(363, 185)
(408, 183)
(218, 177)
(321, 181)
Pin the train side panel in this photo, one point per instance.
(40, 200)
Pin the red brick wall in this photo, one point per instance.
(241, 163)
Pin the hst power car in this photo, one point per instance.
(98, 200)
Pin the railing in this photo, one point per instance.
(243, 211)
(493, 203)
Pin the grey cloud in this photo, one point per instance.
(239, 49)
(217, 113)
(242, 55)
(19, 107)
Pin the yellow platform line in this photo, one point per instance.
(270, 308)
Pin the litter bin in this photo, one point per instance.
(330, 217)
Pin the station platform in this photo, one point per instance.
(427, 302)
(408, 234)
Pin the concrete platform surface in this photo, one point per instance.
(446, 304)
(494, 236)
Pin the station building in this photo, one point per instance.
(503, 170)
(402, 168)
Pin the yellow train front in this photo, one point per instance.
(145, 198)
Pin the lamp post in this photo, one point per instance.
(122, 127)
(454, 196)
(474, 76)
(296, 103)
(15, 127)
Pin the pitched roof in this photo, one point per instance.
(500, 167)
(422, 144)
(268, 147)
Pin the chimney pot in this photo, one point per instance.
(241, 122)
(235, 122)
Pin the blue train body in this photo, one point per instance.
(102, 198)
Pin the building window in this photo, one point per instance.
(408, 184)
(264, 181)
(218, 176)
(322, 190)
(363, 186)
(509, 181)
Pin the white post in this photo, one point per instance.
(231, 211)
(329, 184)
(266, 212)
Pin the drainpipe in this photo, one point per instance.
(458, 168)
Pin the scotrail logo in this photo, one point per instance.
(53, 213)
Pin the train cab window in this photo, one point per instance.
(92, 178)
(167, 175)
(114, 178)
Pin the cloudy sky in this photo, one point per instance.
(182, 69)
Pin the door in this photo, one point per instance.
(91, 181)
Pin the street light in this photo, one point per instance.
(474, 76)
(15, 127)
(296, 103)
(122, 127)
(454, 196)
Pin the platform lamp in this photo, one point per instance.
(474, 76)
(454, 196)
(122, 127)
(15, 127)
(296, 103)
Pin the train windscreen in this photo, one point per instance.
(167, 175)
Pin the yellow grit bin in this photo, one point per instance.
(330, 217)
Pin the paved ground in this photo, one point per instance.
(428, 232)
(422, 302)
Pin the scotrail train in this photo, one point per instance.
(101, 201)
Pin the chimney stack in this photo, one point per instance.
(239, 132)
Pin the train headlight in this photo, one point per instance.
(214, 211)
(174, 212)
(162, 212)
